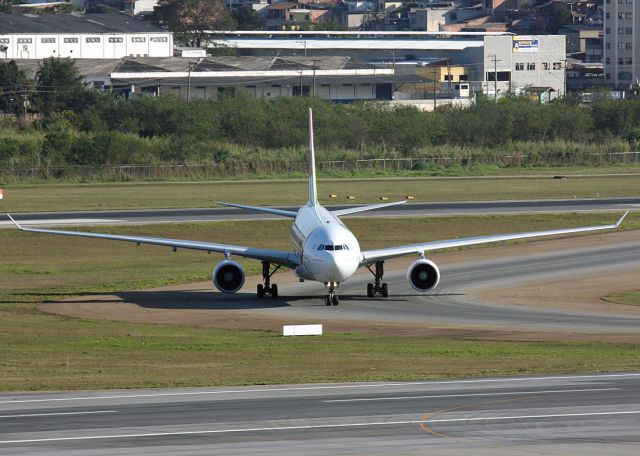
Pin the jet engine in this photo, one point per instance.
(423, 275)
(228, 276)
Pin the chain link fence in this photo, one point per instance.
(241, 168)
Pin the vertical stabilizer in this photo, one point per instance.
(313, 190)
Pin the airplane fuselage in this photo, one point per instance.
(330, 253)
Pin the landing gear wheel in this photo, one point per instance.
(370, 292)
(260, 291)
(377, 288)
(334, 300)
(267, 288)
(274, 291)
(327, 300)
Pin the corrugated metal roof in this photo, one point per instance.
(74, 23)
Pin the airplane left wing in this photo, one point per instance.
(288, 259)
(370, 256)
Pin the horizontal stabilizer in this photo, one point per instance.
(268, 210)
(353, 210)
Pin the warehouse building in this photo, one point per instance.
(514, 62)
(81, 36)
(338, 79)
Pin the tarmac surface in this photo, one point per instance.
(582, 415)
(148, 216)
(458, 305)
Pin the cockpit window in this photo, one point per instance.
(346, 247)
(328, 247)
(321, 247)
(338, 247)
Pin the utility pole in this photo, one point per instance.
(435, 75)
(314, 78)
(495, 76)
(189, 82)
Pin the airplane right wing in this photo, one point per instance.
(288, 259)
(353, 210)
(370, 256)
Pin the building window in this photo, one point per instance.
(92, 39)
(628, 15)
(608, 46)
(531, 66)
(620, 61)
(628, 30)
(25, 40)
(607, 30)
(519, 66)
(557, 66)
(47, 40)
(71, 40)
(159, 39)
(621, 46)
(629, 61)
(625, 76)
(545, 66)
(608, 61)
(114, 39)
(138, 39)
(4, 40)
(620, 30)
(628, 45)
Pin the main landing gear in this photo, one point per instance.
(267, 288)
(331, 298)
(377, 288)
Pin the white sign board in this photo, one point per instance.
(302, 330)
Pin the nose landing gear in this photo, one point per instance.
(377, 288)
(331, 298)
(267, 288)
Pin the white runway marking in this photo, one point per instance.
(90, 412)
(77, 221)
(323, 387)
(400, 398)
(316, 426)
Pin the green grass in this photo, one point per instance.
(45, 352)
(630, 298)
(35, 267)
(64, 197)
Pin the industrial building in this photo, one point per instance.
(622, 43)
(338, 79)
(495, 63)
(81, 36)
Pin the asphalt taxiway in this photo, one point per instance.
(149, 216)
(587, 414)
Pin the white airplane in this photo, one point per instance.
(324, 250)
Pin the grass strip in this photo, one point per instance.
(46, 352)
(293, 192)
(630, 298)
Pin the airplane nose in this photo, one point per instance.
(341, 267)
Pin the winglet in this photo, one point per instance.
(621, 219)
(14, 222)
(313, 190)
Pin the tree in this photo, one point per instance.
(59, 86)
(247, 19)
(13, 85)
(190, 19)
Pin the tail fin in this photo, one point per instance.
(313, 190)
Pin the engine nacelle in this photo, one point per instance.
(423, 275)
(228, 276)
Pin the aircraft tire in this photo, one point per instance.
(260, 291)
(370, 292)
(385, 290)
(274, 291)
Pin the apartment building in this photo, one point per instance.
(622, 43)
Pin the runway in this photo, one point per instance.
(589, 414)
(148, 216)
